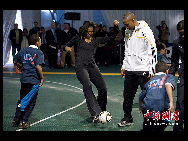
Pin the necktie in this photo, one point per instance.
(43, 38)
(55, 37)
(36, 30)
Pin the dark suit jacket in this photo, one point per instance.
(13, 34)
(177, 51)
(50, 38)
(32, 31)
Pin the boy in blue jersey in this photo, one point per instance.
(157, 97)
(29, 60)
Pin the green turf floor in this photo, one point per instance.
(60, 103)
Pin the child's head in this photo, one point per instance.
(35, 40)
(161, 48)
(161, 66)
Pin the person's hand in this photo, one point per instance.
(116, 22)
(123, 73)
(150, 76)
(50, 46)
(41, 82)
(140, 107)
(68, 49)
(19, 66)
(171, 105)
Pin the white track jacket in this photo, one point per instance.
(140, 49)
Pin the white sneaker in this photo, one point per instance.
(124, 123)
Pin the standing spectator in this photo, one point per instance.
(16, 38)
(25, 42)
(108, 51)
(51, 40)
(43, 46)
(99, 56)
(35, 29)
(59, 34)
(163, 32)
(67, 35)
(139, 61)
(178, 51)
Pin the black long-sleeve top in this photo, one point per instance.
(85, 51)
(177, 51)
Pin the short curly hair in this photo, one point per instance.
(33, 39)
(161, 46)
(85, 27)
(180, 25)
(161, 66)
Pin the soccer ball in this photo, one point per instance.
(105, 117)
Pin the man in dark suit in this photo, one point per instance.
(44, 46)
(51, 40)
(16, 38)
(176, 64)
(35, 29)
(59, 35)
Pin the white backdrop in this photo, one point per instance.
(85, 15)
(8, 24)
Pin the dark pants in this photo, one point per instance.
(180, 104)
(52, 57)
(18, 47)
(86, 75)
(131, 83)
(100, 55)
(24, 115)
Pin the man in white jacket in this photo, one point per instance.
(139, 61)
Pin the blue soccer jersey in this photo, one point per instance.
(154, 95)
(29, 58)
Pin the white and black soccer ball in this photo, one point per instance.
(105, 117)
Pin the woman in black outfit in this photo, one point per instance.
(86, 68)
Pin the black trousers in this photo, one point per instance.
(131, 83)
(52, 57)
(24, 115)
(18, 47)
(180, 104)
(86, 75)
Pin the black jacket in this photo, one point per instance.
(32, 31)
(50, 38)
(177, 51)
(13, 34)
(66, 37)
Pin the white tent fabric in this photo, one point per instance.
(8, 23)
(85, 15)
